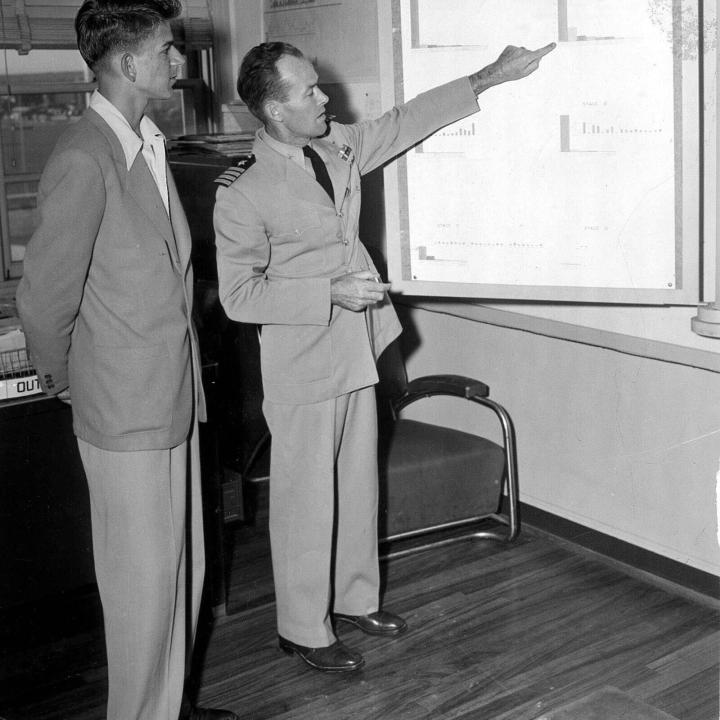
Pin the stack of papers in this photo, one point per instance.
(229, 144)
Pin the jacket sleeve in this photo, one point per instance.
(57, 258)
(377, 141)
(246, 291)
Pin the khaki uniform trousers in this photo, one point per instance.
(145, 505)
(323, 513)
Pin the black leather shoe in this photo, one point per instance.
(333, 658)
(377, 623)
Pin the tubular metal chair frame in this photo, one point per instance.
(477, 392)
(474, 391)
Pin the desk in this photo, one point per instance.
(45, 507)
(44, 503)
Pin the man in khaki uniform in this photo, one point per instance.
(291, 260)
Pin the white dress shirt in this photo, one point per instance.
(152, 143)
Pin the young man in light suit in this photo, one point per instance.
(290, 259)
(105, 302)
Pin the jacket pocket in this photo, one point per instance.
(297, 243)
(295, 355)
(127, 390)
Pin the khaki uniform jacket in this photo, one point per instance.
(106, 295)
(280, 240)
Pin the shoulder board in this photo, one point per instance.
(233, 173)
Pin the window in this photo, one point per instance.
(45, 86)
(42, 93)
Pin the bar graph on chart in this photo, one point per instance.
(431, 27)
(592, 135)
(529, 22)
(456, 138)
(600, 20)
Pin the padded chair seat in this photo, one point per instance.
(431, 475)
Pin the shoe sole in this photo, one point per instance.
(322, 668)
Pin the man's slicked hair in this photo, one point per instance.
(104, 27)
(259, 80)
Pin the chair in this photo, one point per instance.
(434, 478)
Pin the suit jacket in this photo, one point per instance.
(106, 295)
(280, 239)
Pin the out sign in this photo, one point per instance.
(19, 387)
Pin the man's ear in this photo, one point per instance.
(127, 66)
(273, 111)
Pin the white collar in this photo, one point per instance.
(130, 142)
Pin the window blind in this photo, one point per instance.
(50, 24)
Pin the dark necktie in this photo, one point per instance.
(321, 173)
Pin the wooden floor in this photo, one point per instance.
(535, 630)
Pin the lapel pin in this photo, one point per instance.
(345, 153)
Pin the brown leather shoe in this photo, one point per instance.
(333, 658)
(377, 623)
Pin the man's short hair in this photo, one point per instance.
(104, 27)
(259, 80)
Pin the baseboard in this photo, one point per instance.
(624, 552)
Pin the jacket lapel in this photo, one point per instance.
(304, 186)
(179, 225)
(338, 169)
(140, 185)
(111, 137)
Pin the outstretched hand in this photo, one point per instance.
(513, 63)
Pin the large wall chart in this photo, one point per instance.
(580, 182)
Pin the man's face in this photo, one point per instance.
(302, 113)
(157, 63)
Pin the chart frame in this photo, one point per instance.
(687, 245)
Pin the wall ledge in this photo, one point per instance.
(608, 339)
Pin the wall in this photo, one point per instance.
(237, 26)
(618, 443)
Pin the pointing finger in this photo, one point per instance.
(543, 50)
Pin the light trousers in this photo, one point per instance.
(323, 513)
(145, 506)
